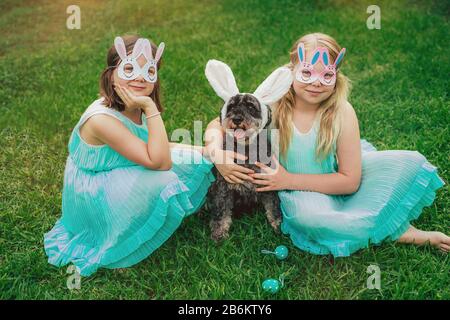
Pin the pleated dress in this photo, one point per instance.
(395, 186)
(115, 213)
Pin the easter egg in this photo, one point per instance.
(281, 252)
(271, 285)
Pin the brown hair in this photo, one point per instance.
(330, 110)
(107, 91)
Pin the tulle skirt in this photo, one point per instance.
(395, 187)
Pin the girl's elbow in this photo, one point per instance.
(354, 185)
(159, 165)
(165, 166)
(349, 183)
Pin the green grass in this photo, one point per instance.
(49, 75)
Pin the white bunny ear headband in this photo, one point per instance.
(272, 89)
(129, 68)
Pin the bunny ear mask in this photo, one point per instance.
(142, 46)
(272, 89)
(306, 73)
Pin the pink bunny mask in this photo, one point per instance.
(306, 72)
(129, 68)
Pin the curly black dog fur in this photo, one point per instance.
(226, 200)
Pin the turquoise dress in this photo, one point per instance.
(115, 213)
(395, 186)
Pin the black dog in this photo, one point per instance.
(242, 121)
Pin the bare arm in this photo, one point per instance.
(213, 137)
(187, 146)
(153, 155)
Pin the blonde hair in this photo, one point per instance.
(329, 110)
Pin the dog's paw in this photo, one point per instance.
(276, 225)
(219, 235)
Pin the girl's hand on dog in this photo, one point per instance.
(230, 171)
(271, 179)
(133, 101)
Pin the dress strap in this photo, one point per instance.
(97, 107)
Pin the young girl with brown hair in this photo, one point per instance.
(125, 191)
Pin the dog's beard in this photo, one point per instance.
(244, 132)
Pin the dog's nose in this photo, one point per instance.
(238, 119)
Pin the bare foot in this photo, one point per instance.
(420, 237)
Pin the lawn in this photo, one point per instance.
(49, 75)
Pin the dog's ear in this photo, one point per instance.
(221, 78)
(224, 110)
(269, 117)
(275, 86)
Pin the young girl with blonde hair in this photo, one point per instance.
(338, 194)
